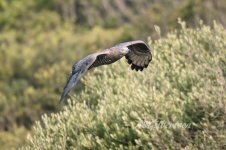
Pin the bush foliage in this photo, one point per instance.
(184, 83)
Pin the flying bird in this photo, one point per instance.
(137, 54)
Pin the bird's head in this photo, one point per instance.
(124, 50)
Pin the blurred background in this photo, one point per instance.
(40, 40)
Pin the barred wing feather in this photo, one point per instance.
(139, 55)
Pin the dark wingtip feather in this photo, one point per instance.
(129, 61)
(132, 66)
(140, 68)
(136, 68)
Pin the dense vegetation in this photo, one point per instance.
(39, 40)
(185, 83)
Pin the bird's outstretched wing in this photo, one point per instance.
(139, 55)
(79, 68)
(103, 59)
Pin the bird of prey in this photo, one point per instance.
(137, 54)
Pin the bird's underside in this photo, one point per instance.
(137, 54)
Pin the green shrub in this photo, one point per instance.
(12, 139)
(184, 83)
